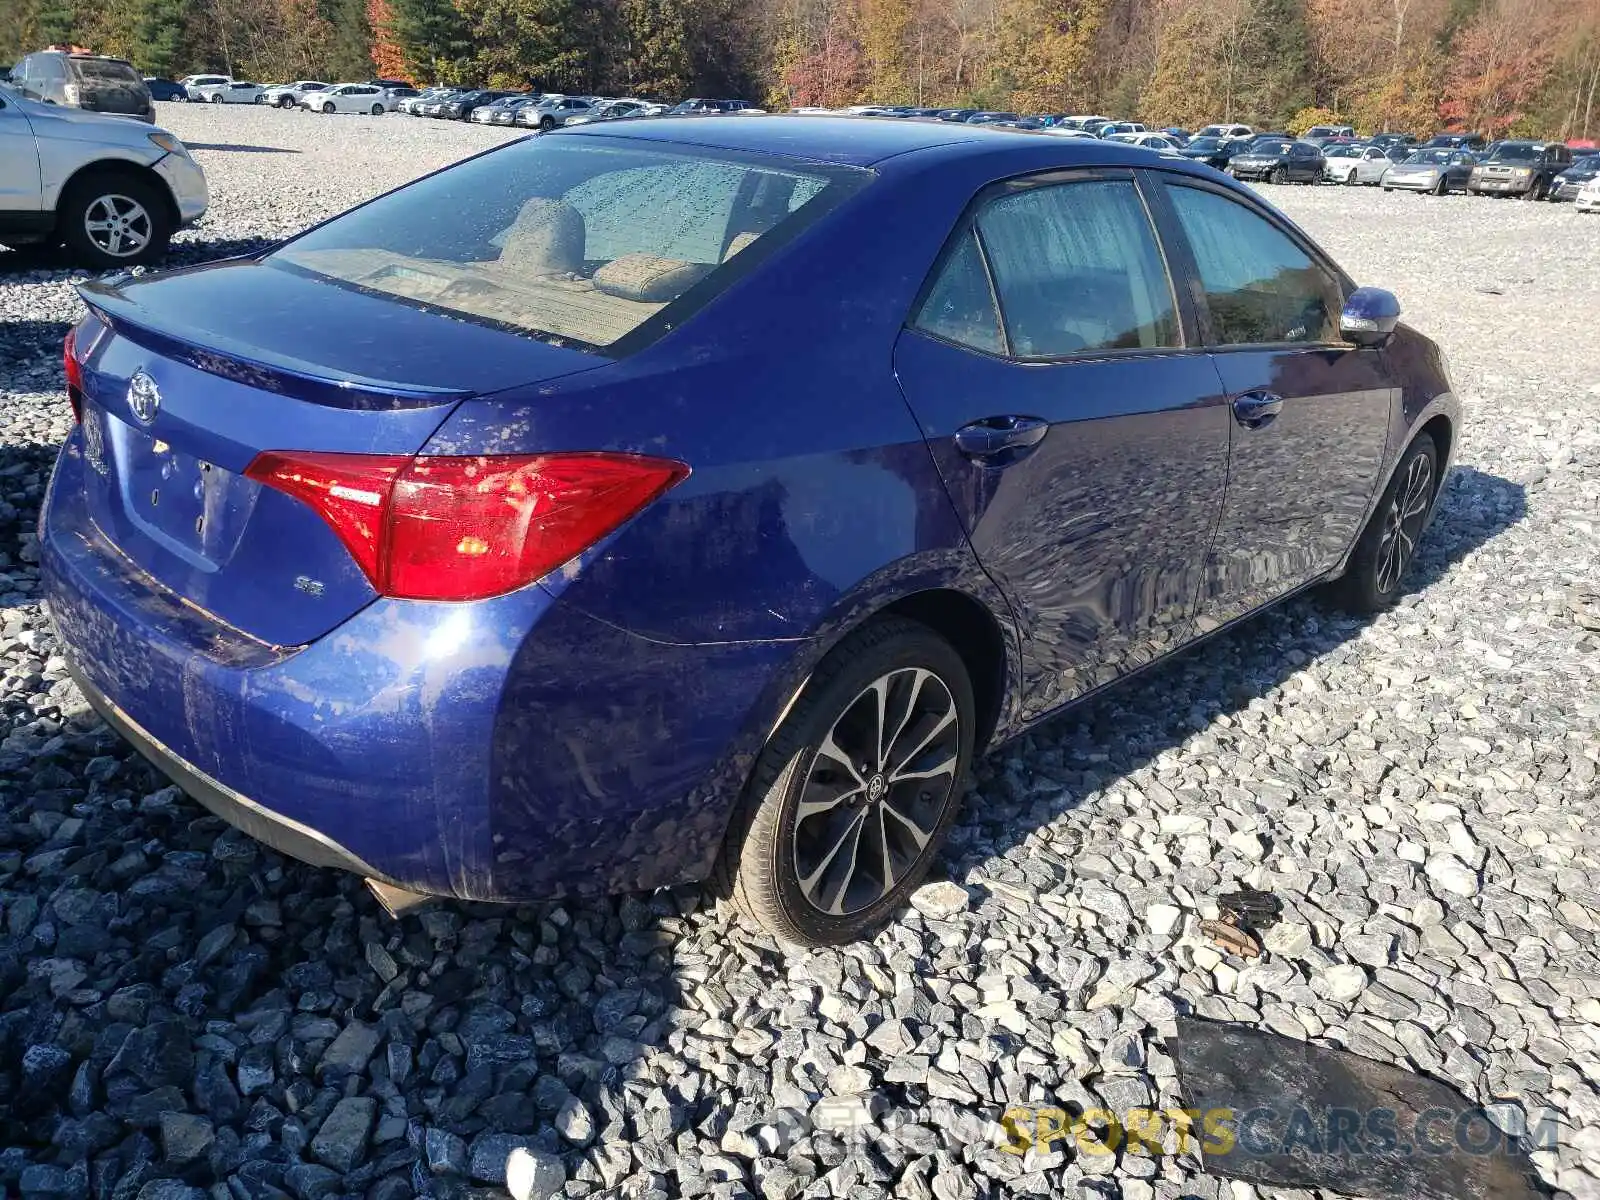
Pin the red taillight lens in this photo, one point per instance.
(74, 370)
(467, 528)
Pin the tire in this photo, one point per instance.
(1277, 175)
(217, 99)
(1388, 189)
(1372, 581)
(1536, 192)
(1442, 188)
(139, 208)
(377, 110)
(547, 123)
(1352, 177)
(328, 109)
(285, 101)
(769, 844)
(181, 98)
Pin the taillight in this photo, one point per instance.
(74, 370)
(448, 528)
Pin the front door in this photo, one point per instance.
(1080, 430)
(1310, 412)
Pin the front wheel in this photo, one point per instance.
(547, 123)
(1277, 175)
(1442, 188)
(216, 99)
(111, 220)
(328, 109)
(851, 798)
(377, 110)
(285, 101)
(1536, 192)
(1389, 543)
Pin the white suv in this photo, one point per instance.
(114, 191)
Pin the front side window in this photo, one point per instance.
(1078, 270)
(572, 239)
(1260, 287)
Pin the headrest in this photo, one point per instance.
(648, 278)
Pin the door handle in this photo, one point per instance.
(1256, 410)
(1006, 438)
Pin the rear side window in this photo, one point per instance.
(1260, 287)
(1078, 270)
(576, 240)
(959, 307)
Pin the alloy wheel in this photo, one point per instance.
(1402, 523)
(877, 788)
(118, 225)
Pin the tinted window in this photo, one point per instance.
(960, 306)
(1259, 285)
(1078, 270)
(104, 70)
(563, 238)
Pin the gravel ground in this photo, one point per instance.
(179, 1006)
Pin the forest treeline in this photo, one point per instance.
(1499, 66)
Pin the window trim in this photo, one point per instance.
(1171, 227)
(1186, 317)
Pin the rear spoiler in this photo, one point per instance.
(250, 365)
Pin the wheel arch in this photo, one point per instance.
(123, 167)
(978, 639)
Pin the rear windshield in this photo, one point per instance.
(104, 70)
(1431, 158)
(572, 239)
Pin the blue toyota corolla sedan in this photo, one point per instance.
(696, 498)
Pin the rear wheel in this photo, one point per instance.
(1389, 543)
(852, 797)
(113, 220)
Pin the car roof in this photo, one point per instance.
(851, 141)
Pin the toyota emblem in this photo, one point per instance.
(144, 397)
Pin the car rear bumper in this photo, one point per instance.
(509, 749)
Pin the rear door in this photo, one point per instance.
(1079, 429)
(1311, 413)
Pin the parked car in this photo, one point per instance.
(502, 111)
(1114, 127)
(236, 91)
(287, 95)
(189, 82)
(1569, 182)
(1438, 171)
(1525, 169)
(1214, 151)
(957, 114)
(1089, 122)
(701, 106)
(1181, 136)
(91, 82)
(433, 106)
(1318, 134)
(554, 111)
(112, 191)
(616, 110)
(411, 104)
(1272, 137)
(1150, 141)
(165, 89)
(1363, 164)
(444, 551)
(390, 85)
(1393, 139)
(394, 97)
(461, 107)
(1226, 131)
(347, 98)
(1457, 141)
(1281, 160)
(1589, 196)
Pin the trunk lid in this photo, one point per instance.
(186, 378)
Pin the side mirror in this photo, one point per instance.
(1369, 317)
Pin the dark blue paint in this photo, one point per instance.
(593, 731)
